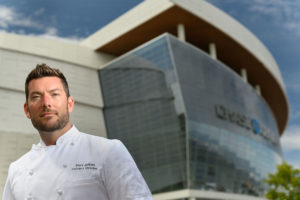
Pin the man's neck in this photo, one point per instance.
(50, 138)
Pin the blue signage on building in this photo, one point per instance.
(245, 122)
(255, 126)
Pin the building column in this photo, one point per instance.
(244, 74)
(181, 32)
(212, 50)
(258, 91)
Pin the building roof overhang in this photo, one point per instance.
(236, 46)
(54, 49)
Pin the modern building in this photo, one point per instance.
(197, 99)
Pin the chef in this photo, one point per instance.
(66, 163)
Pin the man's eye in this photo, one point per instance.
(55, 94)
(35, 97)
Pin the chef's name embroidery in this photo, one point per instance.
(85, 166)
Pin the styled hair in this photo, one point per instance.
(43, 70)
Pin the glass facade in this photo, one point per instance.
(188, 120)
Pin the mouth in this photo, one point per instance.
(48, 114)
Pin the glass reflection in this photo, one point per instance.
(160, 100)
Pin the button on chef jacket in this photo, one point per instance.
(78, 167)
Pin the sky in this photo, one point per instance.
(275, 22)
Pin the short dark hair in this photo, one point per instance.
(43, 70)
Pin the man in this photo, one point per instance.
(68, 164)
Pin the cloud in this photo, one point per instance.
(6, 14)
(293, 85)
(9, 17)
(70, 39)
(295, 115)
(284, 13)
(294, 162)
(264, 9)
(39, 12)
(51, 33)
(290, 140)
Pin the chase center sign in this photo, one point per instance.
(245, 122)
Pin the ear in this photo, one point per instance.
(26, 110)
(70, 104)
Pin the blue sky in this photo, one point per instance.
(275, 22)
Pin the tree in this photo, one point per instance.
(284, 184)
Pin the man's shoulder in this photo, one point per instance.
(101, 147)
(20, 162)
(100, 141)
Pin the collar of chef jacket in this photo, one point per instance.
(66, 137)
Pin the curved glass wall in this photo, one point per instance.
(233, 137)
(139, 110)
(188, 120)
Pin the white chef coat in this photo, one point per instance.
(79, 166)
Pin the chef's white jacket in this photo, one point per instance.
(79, 166)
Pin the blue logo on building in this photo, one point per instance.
(245, 122)
(255, 126)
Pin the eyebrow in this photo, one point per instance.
(35, 92)
(52, 90)
(55, 89)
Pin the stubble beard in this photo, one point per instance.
(59, 124)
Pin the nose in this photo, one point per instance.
(46, 100)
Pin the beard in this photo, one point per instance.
(47, 126)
